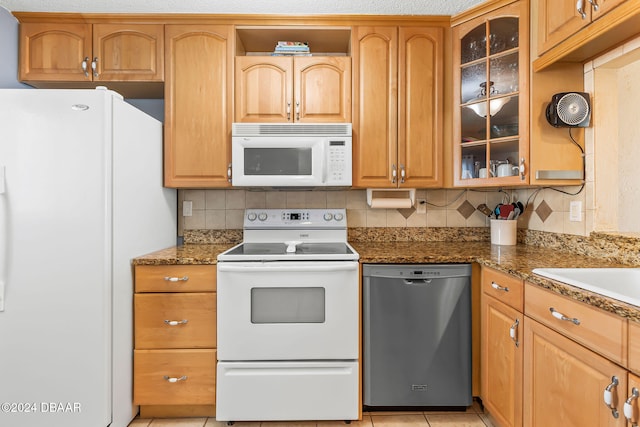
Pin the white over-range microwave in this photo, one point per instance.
(291, 155)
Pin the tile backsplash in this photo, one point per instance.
(547, 209)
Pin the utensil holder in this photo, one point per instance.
(504, 231)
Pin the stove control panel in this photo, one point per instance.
(295, 218)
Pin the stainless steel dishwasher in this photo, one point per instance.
(417, 335)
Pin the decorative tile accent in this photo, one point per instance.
(544, 211)
(406, 213)
(466, 209)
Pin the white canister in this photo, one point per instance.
(504, 231)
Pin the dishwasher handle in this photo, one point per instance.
(417, 281)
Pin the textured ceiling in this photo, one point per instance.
(376, 7)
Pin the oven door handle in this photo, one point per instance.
(245, 268)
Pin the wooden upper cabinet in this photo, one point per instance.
(557, 20)
(55, 52)
(420, 106)
(375, 121)
(198, 105)
(128, 52)
(72, 52)
(298, 89)
(398, 106)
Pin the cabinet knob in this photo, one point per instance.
(84, 65)
(176, 279)
(580, 9)
(94, 66)
(628, 407)
(594, 5)
(497, 287)
(175, 379)
(176, 322)
(555, 313)
(607, 396)
(288, 111)
(394, 173)
(402, 174)
(297, 111)
(513, 332)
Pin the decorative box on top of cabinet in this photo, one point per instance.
(398, 106)
(81, 52)
(491, 98)
(175, 340)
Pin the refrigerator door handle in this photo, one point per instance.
(2, 186)
(3, 238)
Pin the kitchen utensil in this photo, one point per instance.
(505, 210)
(482, 173)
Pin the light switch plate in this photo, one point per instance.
(575, 211)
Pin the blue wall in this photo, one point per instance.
(9, 65)
(9, 51)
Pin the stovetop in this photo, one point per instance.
(293, 235)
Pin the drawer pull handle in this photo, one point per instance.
(497, 287)
(175, 380)
(561, 316)
(176, 279)
(628, 408)
(512, 332)
(607, 396)
(176, 322)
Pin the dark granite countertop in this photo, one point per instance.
(518, 260)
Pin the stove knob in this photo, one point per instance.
(252, 216)
(338, 217)
(328, 216)
(262, 216)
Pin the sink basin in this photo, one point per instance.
(622, 284)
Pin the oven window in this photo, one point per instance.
(277, 161)
(287, 305)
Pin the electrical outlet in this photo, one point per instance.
(421, 206)
(187, 208)
(575, 211)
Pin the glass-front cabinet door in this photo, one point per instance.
(491, 114)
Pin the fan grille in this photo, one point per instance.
(573, 109)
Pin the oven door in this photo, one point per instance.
(288, 310)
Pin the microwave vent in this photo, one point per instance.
(296, 129)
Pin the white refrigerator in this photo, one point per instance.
(80, 196)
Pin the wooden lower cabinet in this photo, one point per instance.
(564, 382)
(502, 346)
(502, 357)
(174, 361)
(174, 377)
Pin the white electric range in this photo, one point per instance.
(288, 319)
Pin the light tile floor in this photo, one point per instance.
(472, 417)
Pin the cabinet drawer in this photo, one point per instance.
(156, 316)
(503, 287)
(197, 368)
(602, 332)
(175, 278)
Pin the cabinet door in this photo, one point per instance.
(557, 20)
(197, 145)
(375, 123)
(502, 361)
(125, 52)
(491, 98)
(55, 52)
(263, 89)
(420, 108)
(322, 89)
(564, 382)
